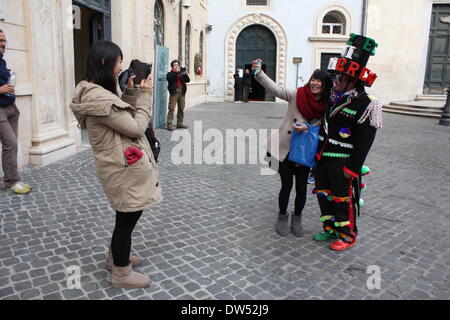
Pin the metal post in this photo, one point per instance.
(445, 121)
(364, 18)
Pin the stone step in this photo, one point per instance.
(416, 107)
(432, 97)
(410, 112)
(418, 110)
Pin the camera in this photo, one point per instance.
(140, 69)
(183, 69)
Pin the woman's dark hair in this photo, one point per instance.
(173, 62)
(327, 83)
(101, 63)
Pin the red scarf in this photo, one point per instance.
(307, 104)
(179, 83)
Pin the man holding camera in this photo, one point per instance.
(9, 124)
(177, 79)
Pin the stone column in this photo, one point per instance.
(52, 69)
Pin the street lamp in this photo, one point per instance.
(445, 121)
(185, 3)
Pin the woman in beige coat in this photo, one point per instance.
(306, 104)
(123, 158)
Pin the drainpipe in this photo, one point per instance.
(180, 34)
(365, 5)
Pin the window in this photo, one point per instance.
(187, 46)
(333, 23)
(159, 23)
(325, 59)
(257, 2)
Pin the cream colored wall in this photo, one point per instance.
(401, 30)
(141, 45)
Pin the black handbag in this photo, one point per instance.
(154, 142)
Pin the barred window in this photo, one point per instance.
(187, 47)
(257, 2)
(159, 23)
(333, 23)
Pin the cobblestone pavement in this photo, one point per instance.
(213, 236)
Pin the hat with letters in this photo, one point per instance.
(354, 58)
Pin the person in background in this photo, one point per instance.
(9, 127)
(124, 161)
(305, 104)
(237, 87)
(177, 79)
(246, 84)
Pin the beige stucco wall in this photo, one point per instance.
(41, 51)
(141, 46)
(401, 29)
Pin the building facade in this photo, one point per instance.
(293, 38)
(296, 37)
(413, 60)
(48, 43)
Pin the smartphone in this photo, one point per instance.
(141, 70)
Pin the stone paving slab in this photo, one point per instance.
(213, 235)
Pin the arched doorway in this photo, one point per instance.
(257, 41)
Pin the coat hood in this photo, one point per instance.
(93, 100)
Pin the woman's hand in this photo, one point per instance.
(256, 65)
(130, 83)
(147, 84)
(299, 127)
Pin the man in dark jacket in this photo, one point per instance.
(9, 123)
(246, 84)
(177, 79)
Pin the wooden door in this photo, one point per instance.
(437, 78)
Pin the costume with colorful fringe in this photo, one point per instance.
(346, 136)
(348, 131)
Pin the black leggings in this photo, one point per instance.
(121, 239)
(287, 171)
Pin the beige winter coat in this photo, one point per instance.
(113, 125)
(292, 115)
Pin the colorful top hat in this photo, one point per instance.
(354, 58)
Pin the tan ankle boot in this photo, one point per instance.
(135, 261)
(124, 277)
